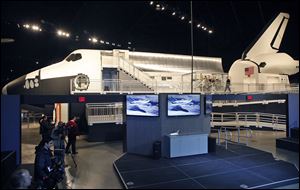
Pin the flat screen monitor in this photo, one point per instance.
(183, 105)
(142, 105)
(208, 104)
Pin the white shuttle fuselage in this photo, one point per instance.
(99, 71)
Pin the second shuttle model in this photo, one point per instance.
(261, 65)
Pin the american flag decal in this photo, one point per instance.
(249, 71)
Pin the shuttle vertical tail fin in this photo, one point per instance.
(269, 39)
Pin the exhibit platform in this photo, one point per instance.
(238, 167)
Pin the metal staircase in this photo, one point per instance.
(136, 74)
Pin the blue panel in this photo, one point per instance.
(10, 125)
(293, 111)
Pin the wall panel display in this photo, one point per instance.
(142, 105)
(208, 104)
(183, 105)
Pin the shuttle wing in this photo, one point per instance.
(269, 40)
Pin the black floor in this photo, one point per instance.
(237, 167)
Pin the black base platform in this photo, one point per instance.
(237, 167)
(291, 144)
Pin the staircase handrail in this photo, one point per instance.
(135, 72)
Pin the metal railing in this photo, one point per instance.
(235, 103)
(123, 86)
(133, 86)
(135, 72)
(246, 119)
(104, 113)
(228, 137)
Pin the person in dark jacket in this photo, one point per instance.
(45, 127)
(58, 135)
(73, 131)
(42, 162)
(227, 87)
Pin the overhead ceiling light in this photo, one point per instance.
(182, 18)
(210, 31)
(26, 26)
(198, 25)
(35, 27)
(94, 40)
(151, 2)
(174, 13)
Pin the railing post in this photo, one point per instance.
(247, 137)
(225, 138)
(237, 119)
(28, 120)
(239, 135)
(257, 119)
(222, 118)
(219, 134)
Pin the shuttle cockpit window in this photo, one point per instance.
(74, 57)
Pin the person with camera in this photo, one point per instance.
(42, 162)
(45, 127)
(73, 131)
(58, 135)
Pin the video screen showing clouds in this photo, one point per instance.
(142, 105)
(183, 105)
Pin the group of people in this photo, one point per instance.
(48, 167)
(212, 84)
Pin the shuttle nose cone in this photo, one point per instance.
(4, 90)
(14, 87)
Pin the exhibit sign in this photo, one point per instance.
(142, 105)
(183, 105)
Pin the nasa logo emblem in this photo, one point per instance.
(81, 82)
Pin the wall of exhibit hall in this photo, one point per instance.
(293, 113)
(11, 125)
(143, 131)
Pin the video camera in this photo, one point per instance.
(55, 175)
(61, 130)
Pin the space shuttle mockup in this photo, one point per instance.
(261, 63)
(100, 71)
